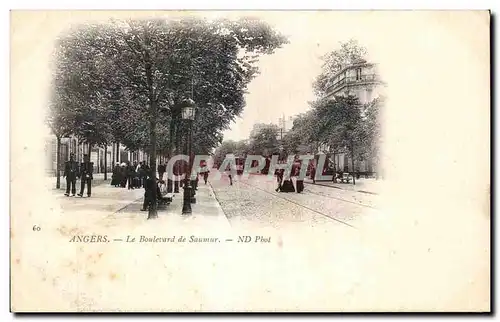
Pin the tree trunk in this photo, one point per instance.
(105, 162)
(118, 151)
(170, 153)
(98, 159)
(352, 163)
(153, 111)
(112, 155)
(152, 160)
(58, 162)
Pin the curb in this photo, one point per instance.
(217, 202)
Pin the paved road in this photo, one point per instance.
(254, 202)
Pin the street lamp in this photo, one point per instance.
(188, 111)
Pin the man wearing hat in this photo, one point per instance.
(86, 172)
(71, 172)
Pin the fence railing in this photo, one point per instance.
(352, 80)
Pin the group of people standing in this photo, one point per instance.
(83, 171)
(130, 175)
(136, 176)
(286, 184)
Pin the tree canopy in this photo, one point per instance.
(112, 79)
(348, 53)
(263, 139)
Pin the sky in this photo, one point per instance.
(284, 86)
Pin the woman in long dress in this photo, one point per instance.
(287, 184)
(299, 181)
(115, 178)
(123, 175)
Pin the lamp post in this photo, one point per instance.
(188, 109)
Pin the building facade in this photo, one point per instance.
(101, 162)
(361, 80)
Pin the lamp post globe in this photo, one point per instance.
(188, 109)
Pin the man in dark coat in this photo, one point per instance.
(86, 174)
(161, 170)
(177, 172)
(149, 191)
(123, 175)
(313, 173)
(71, 172)
(279, 178)
(205, 176)
(130, 175)
(144, 169)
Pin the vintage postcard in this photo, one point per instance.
(250, 161)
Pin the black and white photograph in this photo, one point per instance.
(250, 161)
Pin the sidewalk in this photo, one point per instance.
(207, 216)
(98, 180)
(370, 186)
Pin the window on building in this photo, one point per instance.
(358, 73)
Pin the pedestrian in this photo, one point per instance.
(162, 168)
(340, 174)
(135, 179)
(176, 176)
(149, 192)
(130, 175)
(144, 171)
(140, 174)
(299, 181)
(71, 172)
(205, 176)
(279, 178)
(287, 184)
(313, 173)
(230, 169)
(86, 175)
(115, 177)
(123, 175)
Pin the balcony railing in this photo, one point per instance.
(352, 80)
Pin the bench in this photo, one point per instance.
(345, 178)
(164, 197)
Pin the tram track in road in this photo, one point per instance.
(342, 199)
(298, 204)
(336, 198)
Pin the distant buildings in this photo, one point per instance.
(285, 124)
